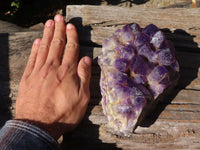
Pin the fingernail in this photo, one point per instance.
(58, 18)
(49, 23)
(88, 61)
(37, 41)
(70, 26)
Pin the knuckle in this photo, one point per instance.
(72, 45)
(51, 65)
(69, 68)
(44, 47)
(58, 41)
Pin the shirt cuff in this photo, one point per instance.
(28, 130)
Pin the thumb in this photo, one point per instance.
(84, 72)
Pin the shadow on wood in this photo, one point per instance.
(109, 2)
(117, 2)
(86, 135)
(138, 2)
(5, 101)
(187, 73)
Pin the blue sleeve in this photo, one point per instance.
(19, 135)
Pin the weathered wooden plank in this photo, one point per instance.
(18, 47)
(15, 48)
(175, 18)
(6, 27)
(187, 97)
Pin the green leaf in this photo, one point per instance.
(15, 4)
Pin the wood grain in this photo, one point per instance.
(174, 123)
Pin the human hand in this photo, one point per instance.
(53, 93)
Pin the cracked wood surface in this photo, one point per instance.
(175, 122)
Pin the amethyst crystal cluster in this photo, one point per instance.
(137, 65)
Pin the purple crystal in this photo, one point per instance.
(137, 65)
(118, 33)
(110, 43)
(139, 91)
(131, 83)
(127, 51)
(158, 39)
(127, 34)
(121, 91)
(135, 28)
(121, 64)
(157, 74)
(150, 30)
(140, 79)
(141, 38)
(165, 57)
(128, 111)
(156, 89)
(146, 51)
(118, 77)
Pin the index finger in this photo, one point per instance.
(71, 54)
